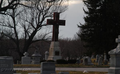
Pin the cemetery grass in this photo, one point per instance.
(61, 65)
(70, 72)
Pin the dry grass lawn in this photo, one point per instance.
(70, 72)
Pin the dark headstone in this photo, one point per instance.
(48, 68)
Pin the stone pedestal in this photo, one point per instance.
(115, 59)
(54, 51)
(114, 64)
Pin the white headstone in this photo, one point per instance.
(92, 56)
(85, 61)
(100, 61)
(48, 68)
(105, 58)
(46, 55)
(97, 58)
(26, 59)
(6, 65)
(78, 60)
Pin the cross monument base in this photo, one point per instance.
(54, 51)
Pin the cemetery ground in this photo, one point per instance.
(61, 66)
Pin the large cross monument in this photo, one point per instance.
(54, 51)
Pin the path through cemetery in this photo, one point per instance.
(69, 69)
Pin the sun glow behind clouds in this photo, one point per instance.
(72, 2)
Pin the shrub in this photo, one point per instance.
(61, 61)
(50, 61)
(42, 61)
(71, 61)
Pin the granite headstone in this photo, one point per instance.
(87, 60)
(36, 57)
(6, 65)
(26, 59)
(100, 61)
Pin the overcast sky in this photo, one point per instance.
(73, 16)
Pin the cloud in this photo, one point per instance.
(73, 16)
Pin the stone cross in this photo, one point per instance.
(26, 54)
(55, 22)
(118, 41)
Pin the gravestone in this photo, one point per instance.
(92, 57)
(115, 59)
(6, 65)
(105, 59)
(97, 58)
(87, 61)
(78, 60)
(26, 59)
(54, 50)
(46, 55)
(48, 68)
(36, 57)
(100, 61)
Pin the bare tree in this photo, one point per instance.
(8, 4)
(25, 22)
